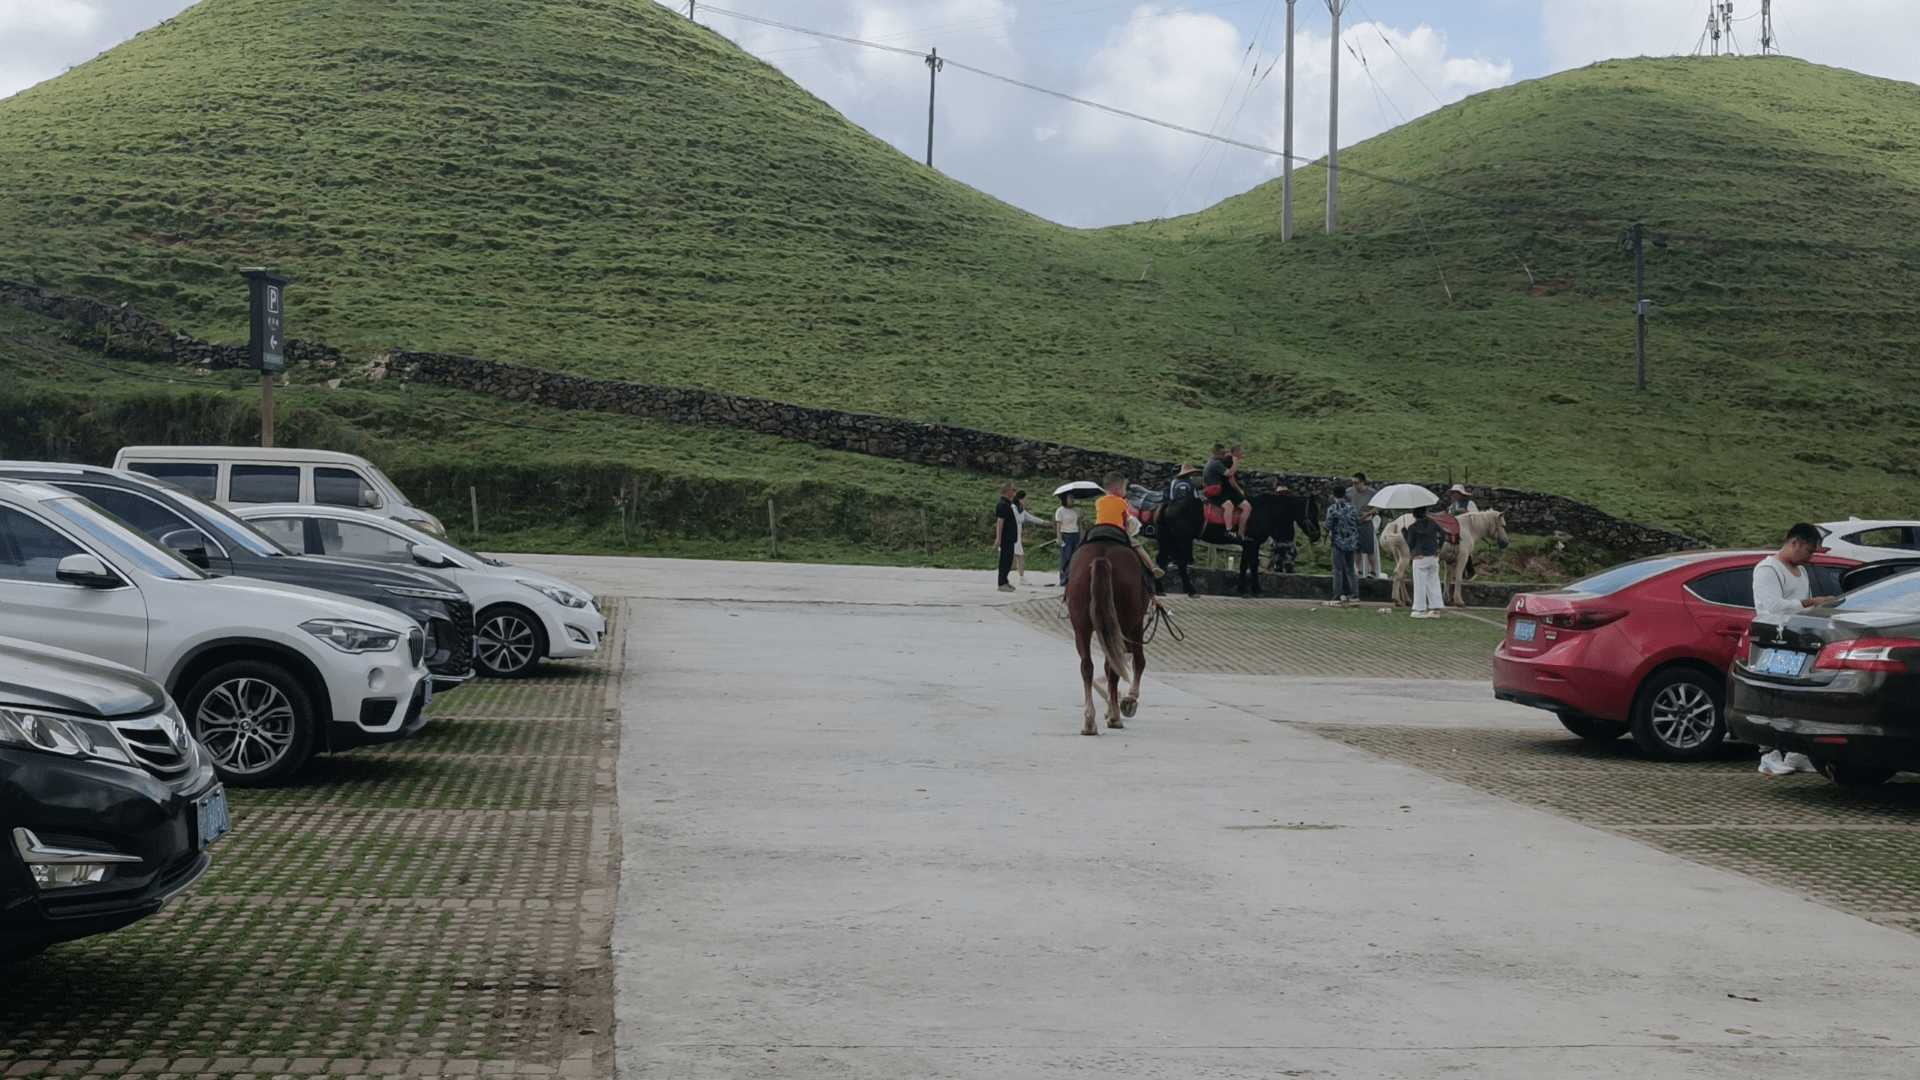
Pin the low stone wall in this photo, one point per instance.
(131, 333)
(960, 447)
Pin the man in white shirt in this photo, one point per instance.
(1780, 582)
(1781, 588)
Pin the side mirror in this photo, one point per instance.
(189, 544)
(370, 499)
(428, 555)
(87, 570)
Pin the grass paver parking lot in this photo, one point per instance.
(439, 906)
(1856, 849)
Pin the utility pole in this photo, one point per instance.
(1766, 28)
(1286, 147)
(690, 4)
(934, 64)
(1630, 241)
(1337, 7)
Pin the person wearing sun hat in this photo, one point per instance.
(1182, 484)
(1459, 502)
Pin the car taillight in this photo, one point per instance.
(1864, 654)
(1583, 618)
(1744, 650)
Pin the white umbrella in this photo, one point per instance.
(1081, 488)
(1402, 497)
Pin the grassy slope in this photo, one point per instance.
(600, 186)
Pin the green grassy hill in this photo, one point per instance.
(599, 186)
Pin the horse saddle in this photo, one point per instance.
(1145, 502)
(1106, 534)
(1449, 525)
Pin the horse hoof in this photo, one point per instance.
(1115, 725)
(1095, 731)
(1128, 706)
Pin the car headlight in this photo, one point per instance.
(563, 597)
(424, 525)
(352, 637)
(63, 735)
(422, 594)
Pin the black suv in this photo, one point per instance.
(213, 539)
(106, 803)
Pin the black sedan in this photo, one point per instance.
(216, 541)
(107, 804)
(1839, 683)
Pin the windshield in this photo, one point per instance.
(1901, 593)
(1633, 573)
(229, 526)
(124, 540)
(393, 489)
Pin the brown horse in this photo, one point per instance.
(1107, 598)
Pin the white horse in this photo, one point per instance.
(1474, 527)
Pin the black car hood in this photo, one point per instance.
(38, 676)
(327, 570)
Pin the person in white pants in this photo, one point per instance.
(1424, 540)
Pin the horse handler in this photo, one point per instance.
(1424, 540)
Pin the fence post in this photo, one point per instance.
(473, 496)
(773, 528)
(926, 532)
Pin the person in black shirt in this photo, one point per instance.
(1006, 533)
(1424, 540)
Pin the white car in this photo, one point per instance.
(1871, 541)
(520, 616)
(266, 674)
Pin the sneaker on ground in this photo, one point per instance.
(1006, 588)
(1800, 763)
(1775, 764)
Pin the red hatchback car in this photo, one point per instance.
(1643, 647)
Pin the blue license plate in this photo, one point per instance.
(1783, 662)
(215, 822)
(1524, 629)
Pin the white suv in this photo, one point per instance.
(520, 616)
(266, 674)
(237, 475)
(1871, 540)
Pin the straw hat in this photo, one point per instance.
(1188, 470)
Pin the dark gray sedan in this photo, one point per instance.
(1839, 683)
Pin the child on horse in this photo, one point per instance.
(1114, 520)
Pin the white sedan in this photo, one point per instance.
(520, 615)
(1871, 541)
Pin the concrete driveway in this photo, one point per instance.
(863, 838)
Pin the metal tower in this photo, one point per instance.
(1337, 7)
(1769, 45)
(1286, 147)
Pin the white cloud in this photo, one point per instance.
(1872, 36)
(41, 38)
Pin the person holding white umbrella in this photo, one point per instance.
(1066, 520)
(1423, 538)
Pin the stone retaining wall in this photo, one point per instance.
(131, 333)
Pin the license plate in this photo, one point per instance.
(1524, 629)
(1784, 662)
(214, 820)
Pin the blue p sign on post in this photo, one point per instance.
(267, 339)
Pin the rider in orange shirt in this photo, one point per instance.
(1112, 509)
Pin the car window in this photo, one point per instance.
(1823, 580)
(263, 484)
(201, 479)
(381, 479)
(1633, 573)
(1733, 588)
(354, 540)
(29, 550)
(343, 487)
(289, 533)
(137, 510)
(1891, 536)
(240, 532)
(1900, 593)
(123, 539)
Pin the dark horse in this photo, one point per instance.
(1181, 523)
(1107, 600)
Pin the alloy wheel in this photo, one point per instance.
(246, 725)
(505, 643)
(1683, 716)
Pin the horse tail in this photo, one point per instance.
(1106, 617)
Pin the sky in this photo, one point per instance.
(1206, 64)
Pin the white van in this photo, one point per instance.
(248, 476)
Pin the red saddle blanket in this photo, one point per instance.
(1448, 524)
(1216, 515)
